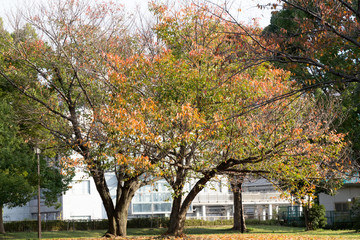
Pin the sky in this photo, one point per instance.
(249, 9)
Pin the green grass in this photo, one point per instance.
(269, 229)
(255, 230)
(59, 234)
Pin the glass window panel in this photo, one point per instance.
(141, 208)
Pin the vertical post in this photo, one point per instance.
(204, 212)
(152, 206)
(263, 213)
(37, 151)
(270, 212)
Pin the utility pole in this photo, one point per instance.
(37, 151)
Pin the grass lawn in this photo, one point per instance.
(222, 232)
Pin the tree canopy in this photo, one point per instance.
(195, 100)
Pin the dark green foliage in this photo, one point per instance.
(18, 165)
(355, 214)
(148, 222)
(71, 225)
(315, 217)
(57, 225)
(17, 162)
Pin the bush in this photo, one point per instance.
(70, 225)
(259, 222)
(148, 222)
(355, 214)
(315, 217)
(340, 226)
(200, 222)
(55, 225)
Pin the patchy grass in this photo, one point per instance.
(260, 232)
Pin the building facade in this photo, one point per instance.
(215, 201)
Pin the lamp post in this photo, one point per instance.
(37, 151)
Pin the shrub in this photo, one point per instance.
(55, 225)
(355, 214)
(315, 217)
(147, 222)
(70, 225)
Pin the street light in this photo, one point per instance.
(38, 151)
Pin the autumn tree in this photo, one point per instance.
(318, 42)
(188, 112)
(319, 33)
(62, 71)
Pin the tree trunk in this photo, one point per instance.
(308, 223)
(179, 209)
(123, 202)
(174, 223)
(177, 224)
(239, 218)
(103, 190)
(118, 214)
(2, 229)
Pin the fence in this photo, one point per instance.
(342, 220)
(291, 216)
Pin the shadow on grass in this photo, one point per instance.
(145, 231)
(251, 229)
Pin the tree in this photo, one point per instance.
(303, 32)
(63, 73)
(183, 112)
(18, 164)
(318, 42)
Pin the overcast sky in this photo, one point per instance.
(249, 9)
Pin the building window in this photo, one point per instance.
(342, 207)
(142, 208)
(80, 187)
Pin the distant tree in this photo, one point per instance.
(355, 213)
(18, 167)
(18, 163)
(318, 42)
(319, 46)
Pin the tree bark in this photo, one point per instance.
(308, 223)
(103, 190)
(174, 223)
(123, 202)
(117, 214)
(2, 229)
(178, 214)
(239, 218)
(177, 221)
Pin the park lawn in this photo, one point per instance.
(206, 232)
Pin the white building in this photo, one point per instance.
(82, 201)
(343, 198)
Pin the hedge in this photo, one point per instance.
(55, 225)
(71, 225)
